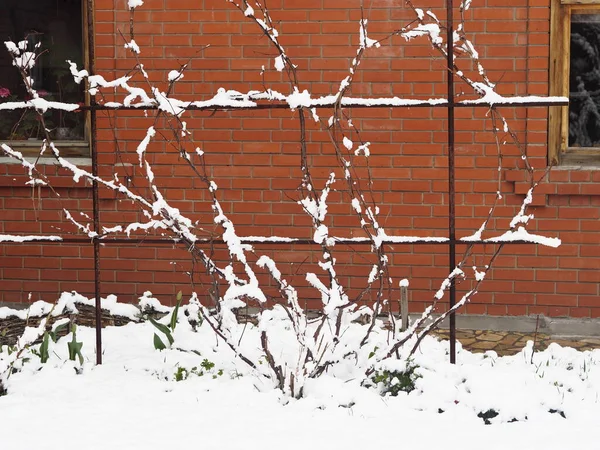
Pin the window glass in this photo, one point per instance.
(584, 81)
(57, 26)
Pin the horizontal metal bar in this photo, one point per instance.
(266, 106)
(259, 241)
(529, 102)
(358, 105)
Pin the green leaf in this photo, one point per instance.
(74, 349)
(173, 323)
(74, 346)
(373, 352)
(58, 329)
(170, 338)
(44, 349)
(165, 329)
(158, 343)
(207, 365)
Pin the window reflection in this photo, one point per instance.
(584, 81)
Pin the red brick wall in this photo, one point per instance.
(254, 157)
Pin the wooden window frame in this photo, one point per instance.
(78, 148)
(560, 57)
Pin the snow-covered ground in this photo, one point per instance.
(133, 401)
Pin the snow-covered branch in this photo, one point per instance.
(320, 343)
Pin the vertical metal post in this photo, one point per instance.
(451, 184)
(95, 201)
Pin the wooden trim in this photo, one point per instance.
(67, 148)
(560, 59)
(557, 115)
(584, 150)
(580, 2)
(566, 67)
(589, 9)
(86, 63)
(581, 158)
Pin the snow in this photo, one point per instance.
(78, 75)
(143, 145)
(479, 275)
(492, 98)
(297, 99)
(365, 40)
(241, 409)
(233, 99)
(36, 182)
(11, 47)
(148, 303)
(347, 143)
(321, 234)
(137, 384)
(373, 274)
(133, 46)
(67, 303)
(83, 228)
(396, 239)
(39, 104)
(425, 29)
(259, 239)
(521, 234)
(279, 63)
(226, 98)
(477, 235)
(364, 149)
(447, 282)
(464, 6)
(23, 238)
(174, 75)
(330, 100)
(25, 60)
(132, 4)
(115, 229)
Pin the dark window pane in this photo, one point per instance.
(57, 26)
(584, 81)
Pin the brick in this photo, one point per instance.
(556, 300)
(254, 157)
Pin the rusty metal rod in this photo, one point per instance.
(518, 102)
(451, 181)
(342, 241)
(357, 104)
(95, 197)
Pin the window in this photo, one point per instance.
(574, 131)
(57, 25)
